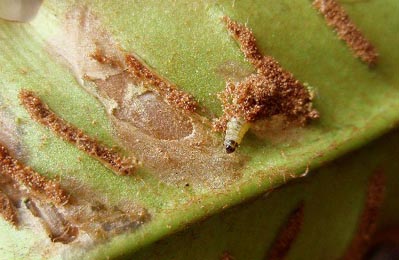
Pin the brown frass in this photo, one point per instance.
(338, 19)
(268, 92)
(103, 59)
(287, 234)
(35, 183)
(168, 91)
(42, 114)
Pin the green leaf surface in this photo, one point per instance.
(333, 197)
(186, 42)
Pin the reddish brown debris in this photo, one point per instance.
(7, 209)
(271, 91)
(368, 219)
(42, 114)
(287, 235)
(101, 58)
(172, 95)
(33, 181)
(338, 19)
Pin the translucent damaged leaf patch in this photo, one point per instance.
(143, 108)
(71, 217)
(9, 131)
(152, 118)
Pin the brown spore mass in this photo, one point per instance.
(268, 92)
(368, 220)
(171, 94)
(287, 235)
(7, 209)
(42, 114)
(245, 37)
(338, 19)
(33, 181)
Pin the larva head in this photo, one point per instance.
(230, 146)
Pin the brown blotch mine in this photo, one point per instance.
(143, 108)
(338, 19)
(171, 94)
(33, 181)
(42, 114)
(148, 114)
(7, 209)
(368, 219)
(268, 92)
(287, 235)
(175, 145)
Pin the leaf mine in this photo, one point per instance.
(151, 117)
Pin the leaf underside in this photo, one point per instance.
(186, 43)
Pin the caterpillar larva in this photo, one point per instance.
(268, 91)
(235, 131)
